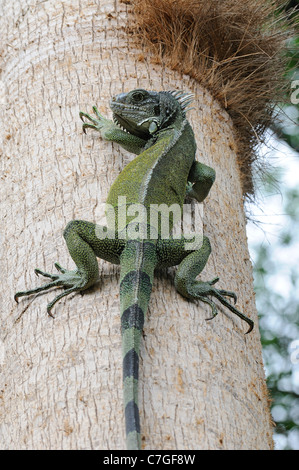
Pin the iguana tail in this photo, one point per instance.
(138, 261)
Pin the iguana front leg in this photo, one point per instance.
(112, 132)
(191, 264)
(200, 180)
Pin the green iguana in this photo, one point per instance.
(152, 125)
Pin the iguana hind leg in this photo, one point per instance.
(191, 264)
(85, 242)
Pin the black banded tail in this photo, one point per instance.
(138, 262)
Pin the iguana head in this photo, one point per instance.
(143, 113)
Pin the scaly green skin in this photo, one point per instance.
(165, 170)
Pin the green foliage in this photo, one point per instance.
(287, 126)
(276, 272)
(275, 255)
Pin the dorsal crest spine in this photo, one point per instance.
(184, 99)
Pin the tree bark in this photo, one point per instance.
(202, 384)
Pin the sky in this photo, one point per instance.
(271, 223)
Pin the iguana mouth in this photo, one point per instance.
(129, 127)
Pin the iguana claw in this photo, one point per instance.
(98, 124)
(220, 294)
(87, 125)
(201, 290)
(71, 281)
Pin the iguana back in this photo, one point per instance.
(158, 175)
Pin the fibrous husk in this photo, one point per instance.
(234, 48)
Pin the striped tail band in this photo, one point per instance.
(138, 262)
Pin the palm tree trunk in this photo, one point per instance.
(202, 384)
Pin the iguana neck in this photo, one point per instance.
(175, 128)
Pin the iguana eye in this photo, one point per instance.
(137, 96)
